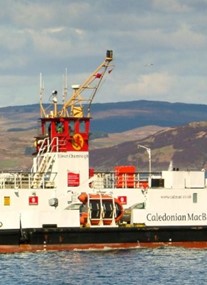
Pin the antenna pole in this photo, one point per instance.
(42, 111)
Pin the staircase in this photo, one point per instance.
(44, 161)
(43, 167)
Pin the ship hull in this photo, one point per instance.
(101, 238)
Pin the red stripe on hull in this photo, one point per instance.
(113, 246)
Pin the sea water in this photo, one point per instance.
(139, 266)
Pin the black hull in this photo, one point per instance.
(86, 238)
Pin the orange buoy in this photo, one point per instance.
(83, 197)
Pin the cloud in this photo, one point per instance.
(171, 6)
(49, 36)
(156, 83)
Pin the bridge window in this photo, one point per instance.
(82, 127)
(72, 127)
(59, 127)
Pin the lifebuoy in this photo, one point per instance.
(77, 141)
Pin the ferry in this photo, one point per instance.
(63, 204)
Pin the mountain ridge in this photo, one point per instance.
(117, 129)
(185, 146)
(123, 116)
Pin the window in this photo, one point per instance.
(195, 197)
(82, 127)
(71, 127)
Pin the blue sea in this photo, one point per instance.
(161, 266)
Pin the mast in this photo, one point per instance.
(67, 129)
(63, 142)
(42, 110)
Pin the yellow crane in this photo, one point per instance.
(84, 94)
(78, 105)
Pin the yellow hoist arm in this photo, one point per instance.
(75, 105)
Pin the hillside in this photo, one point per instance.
(164, 127)
(117, 138)
(121, 116)
(124, 116)
(185, 146)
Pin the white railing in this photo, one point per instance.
(25, 180)
(103, 180)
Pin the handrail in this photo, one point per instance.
(25, 180)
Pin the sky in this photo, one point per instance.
(159, 47)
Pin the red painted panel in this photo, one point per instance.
(33, 200)
(73, 179)
(122, 200)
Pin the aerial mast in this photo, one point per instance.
(42, 110)
(65, 84)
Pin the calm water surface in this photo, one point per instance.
(138, 266)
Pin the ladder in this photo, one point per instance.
(43, 167)
(44, 160)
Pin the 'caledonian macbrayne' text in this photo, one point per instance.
(176, 217)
